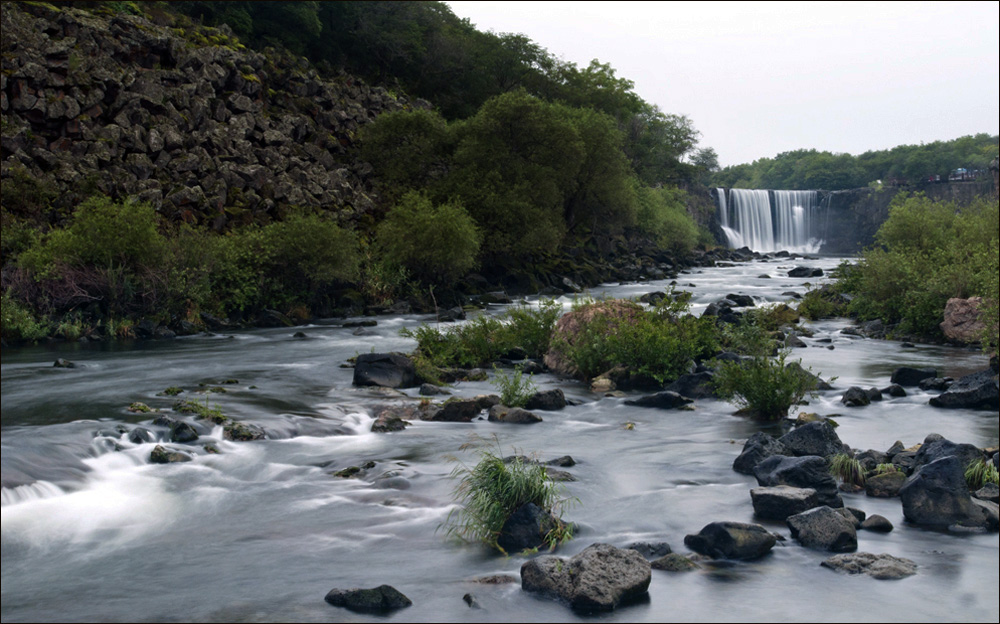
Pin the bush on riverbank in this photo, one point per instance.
(763, 387)
(927, 252)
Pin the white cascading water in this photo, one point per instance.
(749, 220)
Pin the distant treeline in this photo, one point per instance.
(903, 164)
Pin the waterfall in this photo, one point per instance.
(751, 219)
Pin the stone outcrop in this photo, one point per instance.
(600, 578)
(731, 540)
(962, 322)
(186, 119)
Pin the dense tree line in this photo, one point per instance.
(903, 164)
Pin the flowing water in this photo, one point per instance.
(263, 530)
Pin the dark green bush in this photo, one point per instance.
(763, 387)
(436, 243)
(662, 215)
(18, 322)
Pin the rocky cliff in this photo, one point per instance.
(180, 115)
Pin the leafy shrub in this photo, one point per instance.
(435, 243)
(657, 343)
(763, 387)
(515, 389)
(492, 490)
(18, 323)
(662, 215)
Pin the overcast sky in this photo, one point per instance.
(758, 79)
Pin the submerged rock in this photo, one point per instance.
(876, 566)
(909, 376)
(242, 432)
(527, 528)
(731, 540)
(381, 599)
(674, 563)
(163, 455)
(661, 400)
(514, 415)
(600, 578)
(388, 370)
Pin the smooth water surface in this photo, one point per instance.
(263, 530)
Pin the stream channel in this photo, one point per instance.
(261, 531)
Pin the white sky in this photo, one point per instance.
(757, 79)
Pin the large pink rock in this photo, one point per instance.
(962, 322)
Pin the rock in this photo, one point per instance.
(804, 472)
(815, 438)
(651, 550)
(870, 459)
(804, 271)
(908, 376)
(936, 496)
(527, 528)
(989, 492)
(935, 383)
(856, 397)
(852, 515)
(600, 578)
(903, 461)
(936, 446)
(780, 501)
(793, 341)
(140, 435)
(741, 301)
(825, 529)
(731, 540)
(975, 391)
(381, 599)
(759, 447)
(162, 455)
(877, 523)
(660, 400)
(962, 321)
(242, 432)
(885, 485)
(694, 385)
(894, 390)
(514, 415)
(456, 410)
(61, 363)
(389, 419)
(884, 567)
(180, 431)
(550, 400)
(430, 390)
(388, 370)
(674, 563)
(470, 599)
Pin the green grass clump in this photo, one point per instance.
(882, 469)
(981, 472)
(515, 389)
(492, 490)
(764, 387)
(847, 469)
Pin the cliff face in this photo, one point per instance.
(851, 218)
(184, 118)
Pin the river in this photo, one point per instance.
(262, 530)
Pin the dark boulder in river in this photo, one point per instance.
(937, 496)
(600, 578)
(976, 391)
(731, 540)
(909, 376)
(805, 472)
(759, 447)
(388, 370)
(815, 438)
(381, 599)
(825, 529)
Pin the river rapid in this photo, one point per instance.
(262, 530)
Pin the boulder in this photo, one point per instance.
(894, 390)
(877, 523)
(975, 391)
(387, 370)
(661, 400)
(804, 472)
(856, 396)
(162, 455)
(937, 496)
(871, 458)
(804, 271)
(388, 421)
(513, 415)
(741, 301)
(651, 550)
(759, 447)
(242, 432)
(780, 501)
(600, 578)
(935, 383)
(694, 385)
(731, 540)
(456, 410)
(989, 492)
(180, 431)
(908, 376)
(381, 599)
(427, 389)
(547, 400)
(962, 322)
(825, 529)
(936, 446)
(883, 567)
(140, 435)
(885, 485)
(815, 438)
(526, 529)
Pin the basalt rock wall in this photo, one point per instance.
(179, 115)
